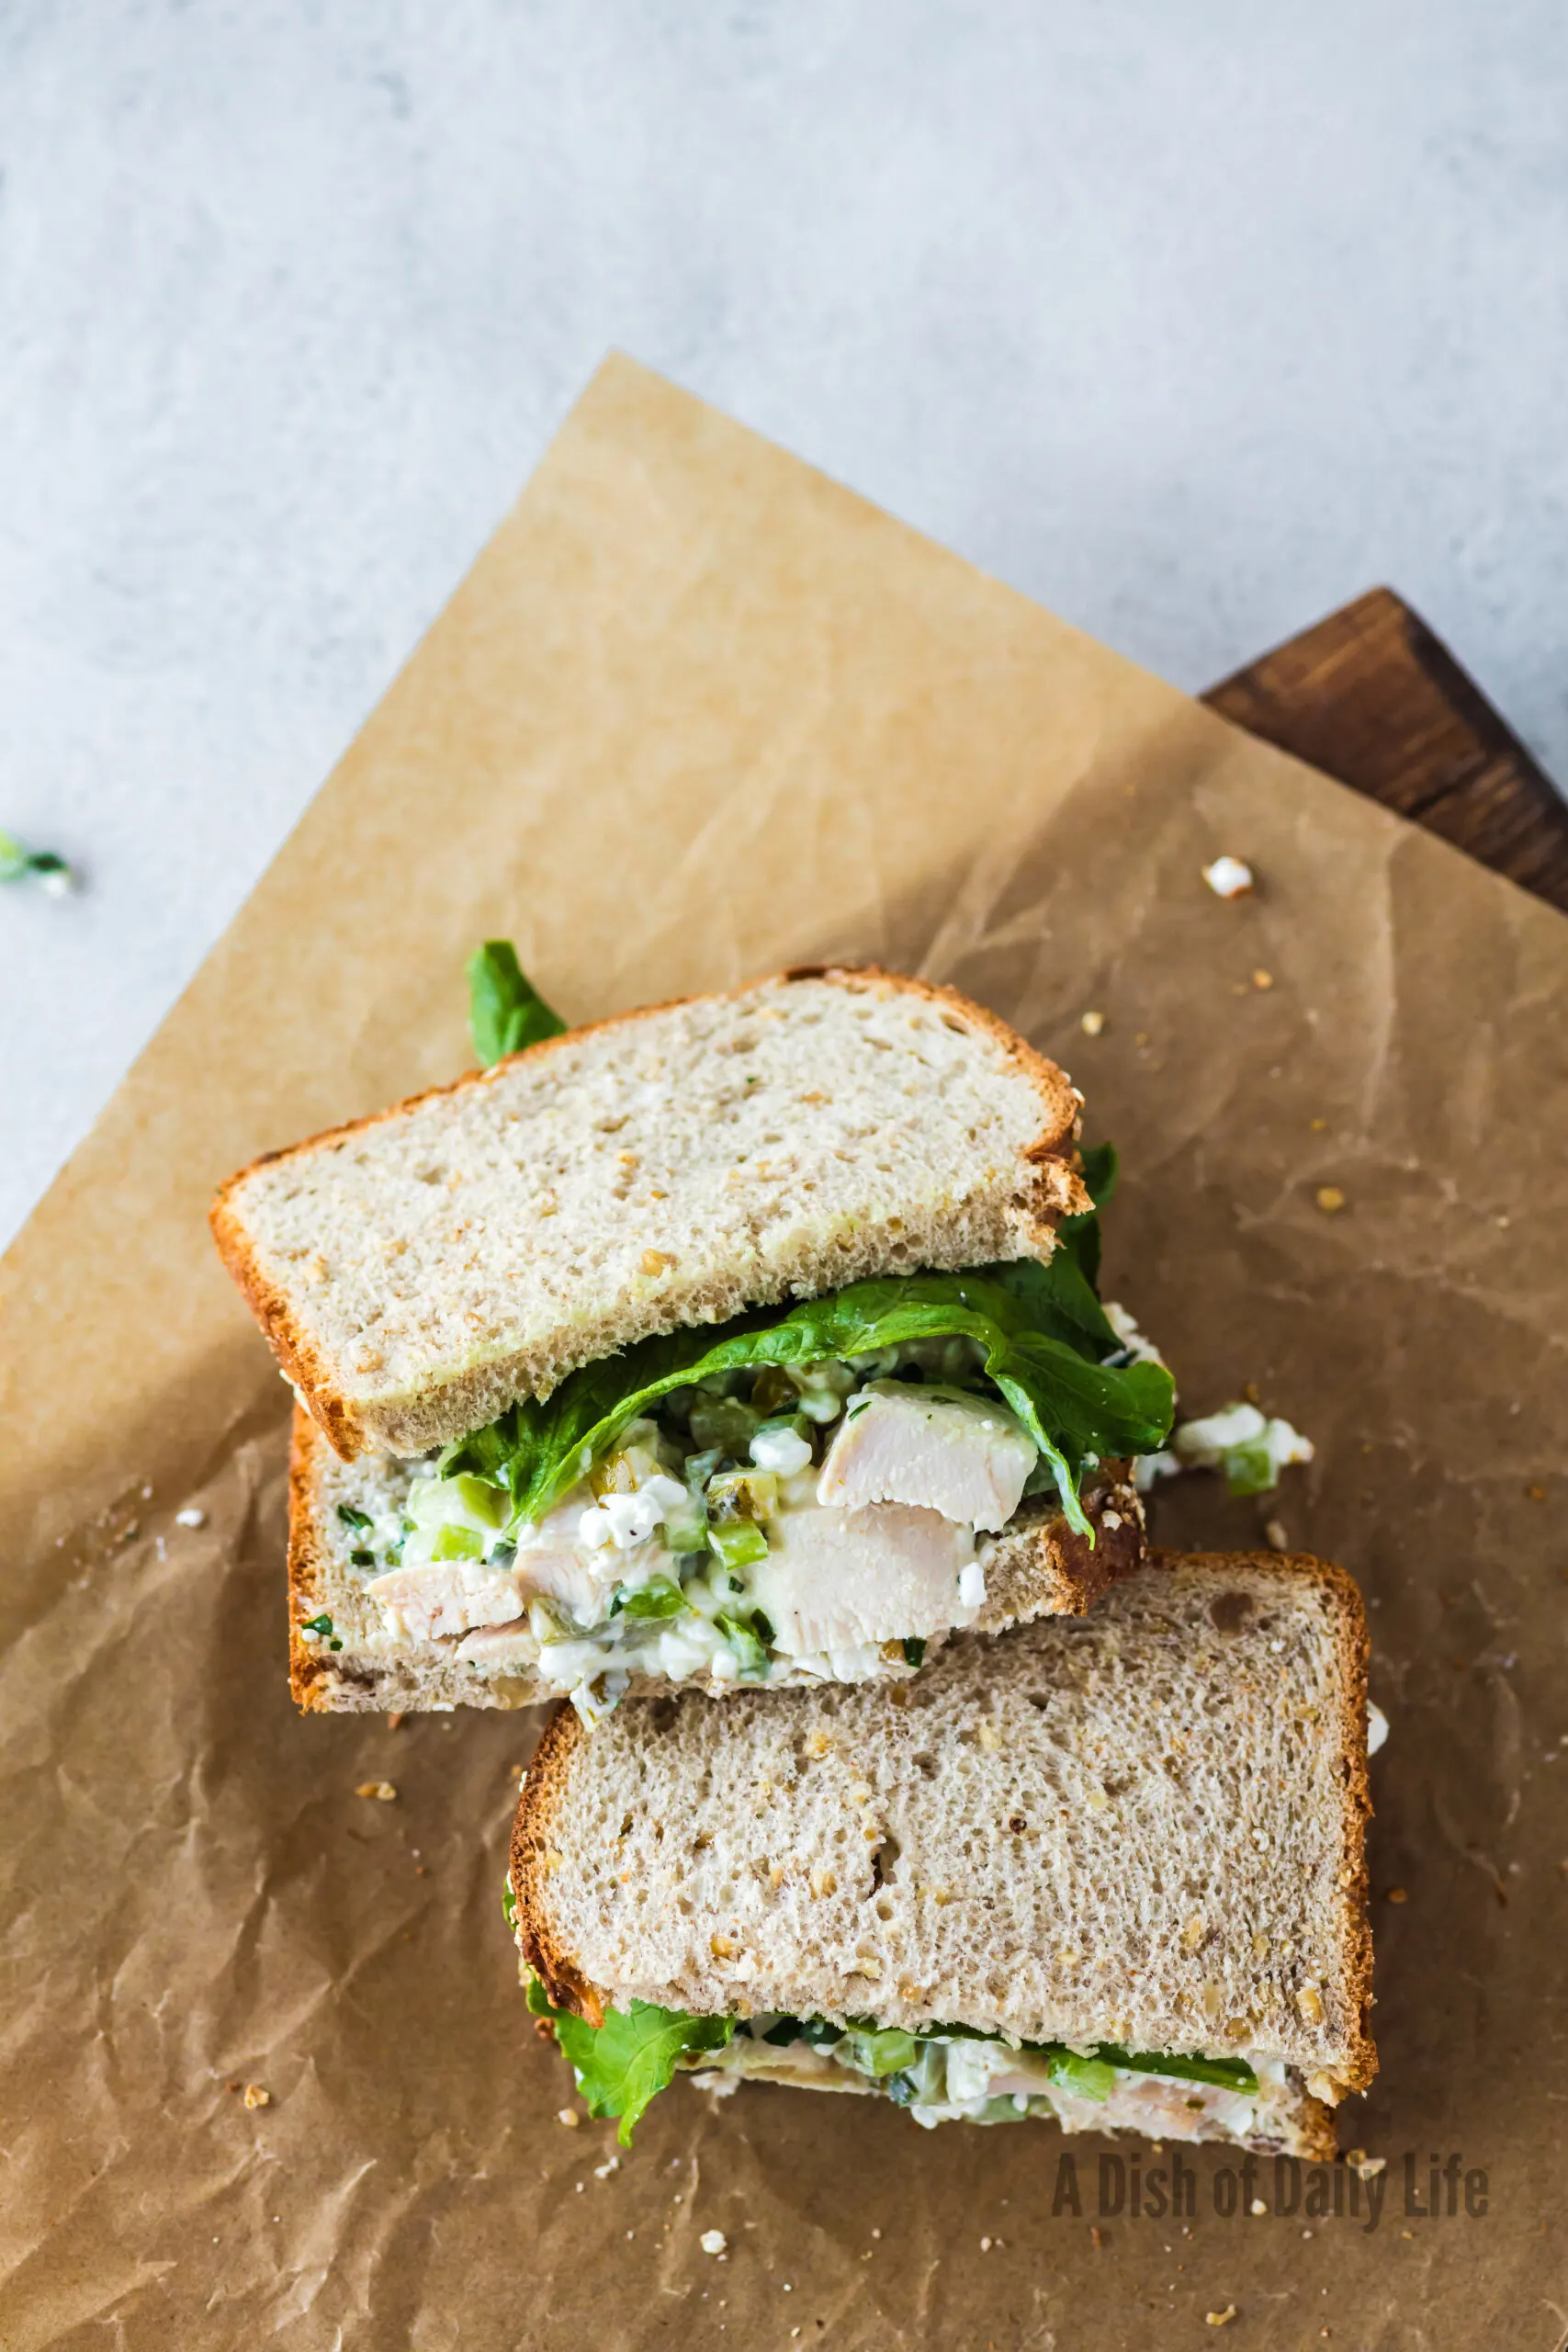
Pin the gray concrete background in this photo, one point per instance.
(1190, 317)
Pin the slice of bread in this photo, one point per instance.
(1038, 1566)
(1143, 1826)
(418, 1272)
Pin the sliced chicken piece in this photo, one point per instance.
(836, 1578)
(498, 1646)
(446, 1596)
(944, 1449)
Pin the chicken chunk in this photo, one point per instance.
(942, 1449)
(445, 1597)
(838, 1578)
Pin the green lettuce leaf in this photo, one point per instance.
(1071, 1403)
(628, 2060)
(505, 1010)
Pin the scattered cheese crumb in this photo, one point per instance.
(1329, 1199)
(569, 2117)
(1274, 1535)
(1228, 878)
(713, 2242)
(602, 2172)
(1257, 2207)
(190, 1516)
(255, 2095)
(984, 2245)
(1092, 1023)
(381, 1790)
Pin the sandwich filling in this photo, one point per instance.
(807, 1493)
(941, 2074)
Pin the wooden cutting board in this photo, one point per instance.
(1375, 698)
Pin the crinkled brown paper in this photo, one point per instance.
(695, 714)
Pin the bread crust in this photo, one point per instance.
(1056, 1189)
(1039, 1567)
(545, 1795)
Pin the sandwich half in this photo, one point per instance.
(753, 1339)
(1107, 1871)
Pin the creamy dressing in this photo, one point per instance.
(967, 2079)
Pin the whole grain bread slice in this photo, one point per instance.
(419, 1271)
(343, 1661)
(1145, 1827)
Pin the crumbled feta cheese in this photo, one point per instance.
(1139, 1350)
(713, 2242)
(190, 1516)
(780, 1448)
(972, 1584)
(627, 1520)
(1228, 878)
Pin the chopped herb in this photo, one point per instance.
(860, 1405)
(322, 1627)
(509, 1903)
(362, 1559)
(914, 1650)
(506, 1011)
(359, 1519)
(43, 866)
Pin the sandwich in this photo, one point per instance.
(751, 1340)
(1107, 1870)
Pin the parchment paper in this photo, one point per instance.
(697, 713)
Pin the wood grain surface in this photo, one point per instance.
(1373, 697)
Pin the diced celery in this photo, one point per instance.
(1250, 1469)
(659, 1597)
(889, 2052)
(1084, 2077)
(455, 1542)
(492, 1505)
(739, 1541)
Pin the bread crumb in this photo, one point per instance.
(1329, 1199)
(1220, 2319)
(1228, 878)
(1535, 1494)
(602, 2172)
(569, 2117)
(1274, 1535)
(258, 2096)
(395, 1720)
(190, 1516)
(381, 1790)
(1092, 1023)
(1398, 1894)
(1262, 980)
(713, 2242)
